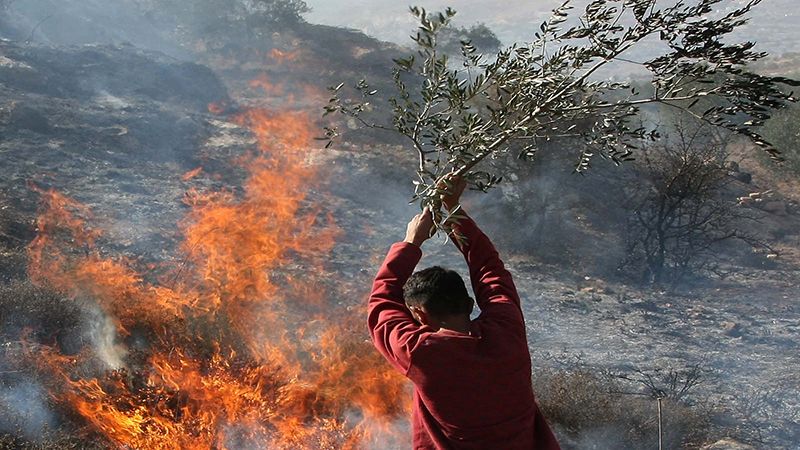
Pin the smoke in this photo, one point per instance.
(380, 434)
(601, 438)
(772, 25)
(77, 22)
(101, 332)
(24, 410)
(546, 213)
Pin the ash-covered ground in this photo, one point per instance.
(740, 334)
(118, 128)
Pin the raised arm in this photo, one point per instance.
(491, 282)
(394, 331)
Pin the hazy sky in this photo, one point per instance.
(390, 20)
(773, 22)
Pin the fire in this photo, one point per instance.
(284, 56)
(192, 173)
(291, 94)
(269, 88)
(237, 344)
(217, 108)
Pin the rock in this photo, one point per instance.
(744, 177)
(732, 329)
(728, 444)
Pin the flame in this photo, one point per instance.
(308, 94)
(269, 88)
(191, 174)
(243, 340)
(217, 108)
(282, 56)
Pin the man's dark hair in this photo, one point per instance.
(441, 291)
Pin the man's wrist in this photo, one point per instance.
(413, 242)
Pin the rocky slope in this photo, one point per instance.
(117, 128)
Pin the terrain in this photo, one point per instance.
(131, 133)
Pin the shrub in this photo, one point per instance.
(680, 215)
(590, 410)
(783, 130)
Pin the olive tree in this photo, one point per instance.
(507, 105)
(783, 129)
(479, 36)
(222, 20)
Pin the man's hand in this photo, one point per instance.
(420, 228)
(453, 188)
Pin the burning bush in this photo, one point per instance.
(240, 344)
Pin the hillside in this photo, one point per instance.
(183, 264)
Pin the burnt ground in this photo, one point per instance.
(744, 335)
(115, 128)
(741, 333)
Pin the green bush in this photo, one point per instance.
(783, 131)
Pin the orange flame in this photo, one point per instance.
(282, 56)
(269, 88)
(244, 343)
(216, 108)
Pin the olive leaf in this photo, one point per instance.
(456, 116)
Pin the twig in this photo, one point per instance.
(660, 432)
(33, 31)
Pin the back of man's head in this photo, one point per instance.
(441, 291)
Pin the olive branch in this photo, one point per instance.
(455, 116)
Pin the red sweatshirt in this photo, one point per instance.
(471, 391)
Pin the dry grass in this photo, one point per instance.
(56, 441)
(589, 411)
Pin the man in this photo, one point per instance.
(472, 378)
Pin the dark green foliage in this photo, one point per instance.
(783, 130)
(222, 20)
(532, 93)
(452, 40)
(266, 12)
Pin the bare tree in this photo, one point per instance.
(670, 383)
(679, 215)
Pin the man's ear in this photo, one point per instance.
(419, 314)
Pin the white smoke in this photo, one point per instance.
(101, 333)
(24, 410)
